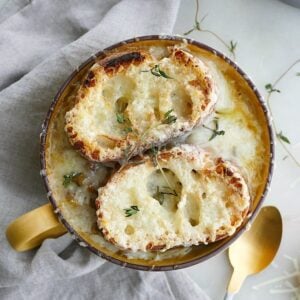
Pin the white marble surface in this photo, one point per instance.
(268, 37)
(267, 33)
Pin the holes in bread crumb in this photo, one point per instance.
(118, 86)
(157, 113)
(222, 228)
(192, 209)
(106, 141)
(165, 188)
(193, 222)
(122, 116)
(121, 104)
(182, 102)
(129, 230)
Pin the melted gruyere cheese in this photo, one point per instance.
(245, 143)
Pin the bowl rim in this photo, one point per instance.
(72, 231)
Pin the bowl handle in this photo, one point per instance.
(31, 229)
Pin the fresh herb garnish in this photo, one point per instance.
(160, 195)
(131, 211)
(128, 129)
(283, 137)
(156, 71)
(283, 140)
(270, 89)
(168, 118)
(232, 47)
(216, 131)
(153, 154)
(120, 118)
(198, 26)
(68, 178)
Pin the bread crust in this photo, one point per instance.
(91, 124)
(211, 204)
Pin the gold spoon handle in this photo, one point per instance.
(235, 283)
(229, 296)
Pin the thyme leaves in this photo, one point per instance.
(162, 191)
(231, 46)
(169, 118)
(271, 88)
(75, 177)
(156, 71)
(131, 211)
(283, 137)
(215, 132)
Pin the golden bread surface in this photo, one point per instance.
(132, 100)
(180, 197)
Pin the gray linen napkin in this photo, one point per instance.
(41, 43)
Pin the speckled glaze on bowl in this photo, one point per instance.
(147, 267)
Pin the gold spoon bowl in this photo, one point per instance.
(256, 248)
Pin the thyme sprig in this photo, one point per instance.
(69, 178)
(160, 194)
(271, 88)
(283, 137)
(215, 131)
(168, 118)
(153, 155)
(156, 71)
(130, 150)
(231, 46)
(121, 119)
(128, 129)
(131, 211)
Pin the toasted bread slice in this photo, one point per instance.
(181, 197)
(131, 101)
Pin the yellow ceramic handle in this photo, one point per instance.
(29, 230)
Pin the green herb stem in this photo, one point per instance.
(216, 131)
(69, 178)
(156, 71)
(120, 118)
(274, 85)
(160, 195)
(168, 118)
(197, 26)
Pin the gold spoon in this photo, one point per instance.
(255, 249)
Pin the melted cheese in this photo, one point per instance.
(202, 205)
(245, 143)
(143, 98)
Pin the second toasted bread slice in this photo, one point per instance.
(181, 197)
(131, 101)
